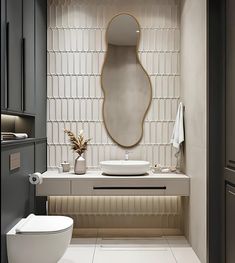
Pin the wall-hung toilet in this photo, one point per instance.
(39, 239)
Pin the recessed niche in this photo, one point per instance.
(18, 124)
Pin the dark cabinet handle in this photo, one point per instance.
(7, 67)
(129, 187)
(23, 75)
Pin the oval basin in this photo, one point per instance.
(121, 167)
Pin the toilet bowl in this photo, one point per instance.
(39, 239)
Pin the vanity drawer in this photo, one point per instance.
(113, 187)
(53, 187)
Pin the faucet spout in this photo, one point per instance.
(126, 155)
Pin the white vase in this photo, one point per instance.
(80, 165)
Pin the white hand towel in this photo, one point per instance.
(178, 132)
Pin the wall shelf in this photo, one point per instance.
(96, 184)
(8, 143)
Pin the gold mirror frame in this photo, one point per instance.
(144, 70)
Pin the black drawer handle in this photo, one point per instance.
(7, 66)
(129, 188)
(23, 75)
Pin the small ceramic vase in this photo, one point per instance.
(80, 165)
(66, 167)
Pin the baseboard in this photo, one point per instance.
(125, 232)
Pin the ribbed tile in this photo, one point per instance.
(76, 51)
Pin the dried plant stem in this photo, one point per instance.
(78, 144)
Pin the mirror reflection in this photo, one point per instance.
(126, 85)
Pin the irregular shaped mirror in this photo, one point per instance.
(125, 83)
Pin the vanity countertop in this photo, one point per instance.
(95, 183)
(97, 174)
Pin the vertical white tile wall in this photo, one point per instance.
(76, 49)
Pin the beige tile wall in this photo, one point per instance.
(76, 49)
(194, 95)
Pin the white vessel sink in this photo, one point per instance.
(121, 167)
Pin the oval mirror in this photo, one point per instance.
(125, 83)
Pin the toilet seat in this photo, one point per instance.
(34, 224)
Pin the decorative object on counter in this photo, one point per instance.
(173, 169)
(79, 145)
(66, 167)
(159, 169)
(156, 168)
(60, 169)
(13, 136)
(165, 170)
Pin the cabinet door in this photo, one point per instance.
(28, 60)
(230, 226)
(17, 195)
(230, 84)
(14, 54)
(3, 53)
(40, 67)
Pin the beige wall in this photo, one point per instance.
(194, 90)
(76, 49)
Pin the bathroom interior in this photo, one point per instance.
(116, 141)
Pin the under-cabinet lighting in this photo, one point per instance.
(9, 117)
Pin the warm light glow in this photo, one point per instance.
(9, 117)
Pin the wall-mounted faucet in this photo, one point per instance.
(126, 155)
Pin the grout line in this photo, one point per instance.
(93, 257)
(170, 249)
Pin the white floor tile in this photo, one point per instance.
(81, 250)
(181, 250)
(133, 250)
(175, 249)
(132, 242)
(133, 256)
(178, 241)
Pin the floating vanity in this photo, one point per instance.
(94, 183)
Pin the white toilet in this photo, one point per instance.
(39, 239)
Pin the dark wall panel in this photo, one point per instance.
(17, 195)
(216, 95)
(41, 156)
(41, 67)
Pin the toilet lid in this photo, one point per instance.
(44, 224)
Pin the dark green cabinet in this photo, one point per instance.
(40, 67)
(230, 85)
(3, 52)
(18, 48)
(230, 134)
(29, 56)
(23, 92)
(14, 49)
(230, 219)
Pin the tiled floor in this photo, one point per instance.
(130, 250)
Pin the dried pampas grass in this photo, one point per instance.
(78, 144)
